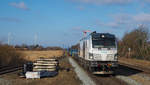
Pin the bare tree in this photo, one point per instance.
(137, 41)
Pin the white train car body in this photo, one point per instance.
(98, 53)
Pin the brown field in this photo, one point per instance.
(33, 55)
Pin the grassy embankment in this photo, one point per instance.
(9, 56)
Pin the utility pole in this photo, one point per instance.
(129, 54)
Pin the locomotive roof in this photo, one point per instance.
(106, 35)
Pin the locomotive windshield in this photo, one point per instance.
(103, 41)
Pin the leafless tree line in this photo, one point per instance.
(36, 47)
(135, 44)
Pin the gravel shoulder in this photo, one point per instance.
(86, 80)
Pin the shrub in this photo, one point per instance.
(9, 56)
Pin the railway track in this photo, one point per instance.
(107, 80)
(124, 76)
(103, 79)
(9, 69)
(122, 71)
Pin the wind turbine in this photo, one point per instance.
(35, 39)
(9, 35)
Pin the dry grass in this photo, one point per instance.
(138, 62)
(33, 55)
(9, 56)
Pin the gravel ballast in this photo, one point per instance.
(128, 80)
(86, 80)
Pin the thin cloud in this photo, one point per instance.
(126, 20)
(143, 17)
(108, 24)
(147, 0)
(77, 28)
(10, 19)
(103, 1)
(81, 8)
(20, 5)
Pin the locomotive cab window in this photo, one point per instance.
(103, 42)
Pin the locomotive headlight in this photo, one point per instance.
(91, 56)
(116, 57)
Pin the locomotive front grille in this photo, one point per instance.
(110, 57)
(97, 56)
(105, 57)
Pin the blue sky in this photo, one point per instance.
(58, 22)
